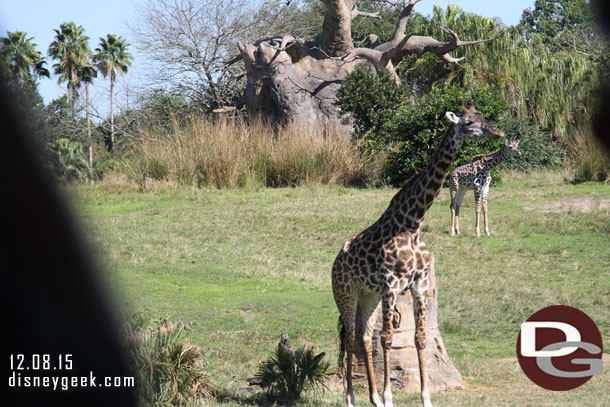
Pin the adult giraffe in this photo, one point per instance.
(389, 257)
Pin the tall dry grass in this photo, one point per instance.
(591, 159)
(232, 153)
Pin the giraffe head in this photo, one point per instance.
(511, 147)
(471, 124)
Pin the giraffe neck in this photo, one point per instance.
(410, 204)
(494, 159)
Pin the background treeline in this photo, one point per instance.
(536, 80)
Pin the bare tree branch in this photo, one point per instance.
(357, 13)
(401, 24)
(458, 43)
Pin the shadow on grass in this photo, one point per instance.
(244, 396)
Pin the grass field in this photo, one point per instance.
(241, 267)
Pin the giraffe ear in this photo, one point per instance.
(452, 117)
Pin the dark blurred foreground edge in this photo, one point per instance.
(53, 302)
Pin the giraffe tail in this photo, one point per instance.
(341, 333)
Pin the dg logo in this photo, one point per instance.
(560, 348)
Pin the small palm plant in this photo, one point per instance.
(287, 373)
(71, 164)
(168, 371)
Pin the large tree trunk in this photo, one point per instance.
(296, 82)
(292, 79)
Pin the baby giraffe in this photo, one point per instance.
(476, 176)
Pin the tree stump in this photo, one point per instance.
(442, 374)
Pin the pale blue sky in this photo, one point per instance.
(38, 18)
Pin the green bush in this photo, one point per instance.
(71, 164)
(411, 129)
(418, 128)
(388, 116)
(371, 100)
(537, 148)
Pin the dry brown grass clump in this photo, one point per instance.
(591, 159)
(232, 153)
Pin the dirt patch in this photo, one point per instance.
(508, 360)
(580, 205)
(247, 314)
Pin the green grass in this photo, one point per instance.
(241, 267)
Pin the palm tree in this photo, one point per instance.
(71, 49)
(112, 58)
(71, 164)
(86, 75)
(24, 60)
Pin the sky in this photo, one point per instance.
(38, 18)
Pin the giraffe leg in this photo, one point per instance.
(452, 221)
(453, 186)
(458, 203)
(346, 301)
(477, 209)
(485, 192)
(476, 227)
(348, 316)
(419, 291)
(388, 302)
(369, 307)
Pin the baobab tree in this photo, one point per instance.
(289, 78)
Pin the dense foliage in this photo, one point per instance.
(387, 116)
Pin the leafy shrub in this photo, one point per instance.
(537, 148)
(168, 371)
(371, 100)
(419, 127)
(286, 374)
(411, 130)
(71, 164)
